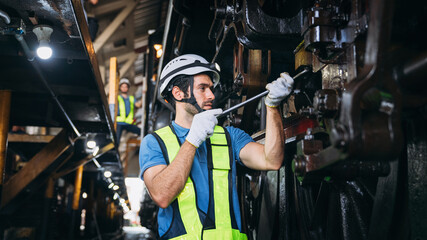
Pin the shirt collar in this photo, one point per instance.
(180, 131)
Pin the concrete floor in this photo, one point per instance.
(138, 233)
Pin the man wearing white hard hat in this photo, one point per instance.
(126, 111)
(189, 167)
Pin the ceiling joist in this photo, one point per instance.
(114, 25)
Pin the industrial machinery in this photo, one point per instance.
(63, 179)
(355, 124)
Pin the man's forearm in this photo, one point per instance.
(171, 180)
(274, 138)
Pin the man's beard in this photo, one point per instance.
(190, 108)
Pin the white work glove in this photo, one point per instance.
(279, 89)
(203, 126)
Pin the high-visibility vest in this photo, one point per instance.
(186, 221)
(122, 108)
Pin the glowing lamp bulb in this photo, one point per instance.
(44, 52)
(107, 174)
(43, 33)
(91, 144)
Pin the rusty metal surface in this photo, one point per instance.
(327, 102)
(254, 27)
(254, 67)
(349, 131)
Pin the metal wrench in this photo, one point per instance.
(237, 106)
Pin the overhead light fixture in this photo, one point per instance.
(84, 195)
(95, 151)
(111, 185)
(91, 144)
(43, 32)
(159, 50)
(107, 174)
(96, 163)
(116, 187)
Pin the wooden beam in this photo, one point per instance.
(13, 137)
(77, 187)
(122, 54)
(5, 96)
(84, 160)
(109, 7)
(140, 41)
(114, 89)
(55, 153)
(102, 70)
(128, 64)
(109, 31)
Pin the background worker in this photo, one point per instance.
(194, 180)
(126, 110)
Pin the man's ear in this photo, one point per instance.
(177, 93)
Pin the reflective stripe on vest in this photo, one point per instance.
(221, 161)
(221, 167)
(187, 198)
(122, 108)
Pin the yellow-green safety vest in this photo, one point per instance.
(219, 164)
(122, 117)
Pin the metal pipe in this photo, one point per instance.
(237, 106)
(30, 57)
(24, 45)
(165, 37)
(412, 72)
(55, 98)
(5, 16)
(263, 116)
(184, 29)
(5, 96)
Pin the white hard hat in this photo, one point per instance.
(190, 65)
(124, 80)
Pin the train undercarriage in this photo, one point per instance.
(355, 123)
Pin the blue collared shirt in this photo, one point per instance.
(151, 155)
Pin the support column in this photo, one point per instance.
(113, 91)
(5, 96)
(46, 208)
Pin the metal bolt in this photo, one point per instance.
(299, 166)
(308, 135)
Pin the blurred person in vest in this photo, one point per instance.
(189, 167)
(126, 110)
